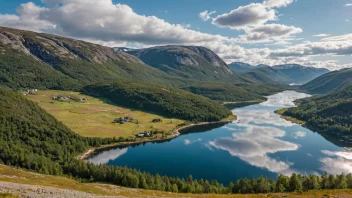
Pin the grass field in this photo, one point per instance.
(9, 174)
(94, 117)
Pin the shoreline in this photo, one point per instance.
(177, 133)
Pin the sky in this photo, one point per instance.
(314, 33)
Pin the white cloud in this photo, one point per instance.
(270, 31)
(277, 3)
(321, 35)
(348, 5)
(245, 16)
(206, 15)
(337, 45)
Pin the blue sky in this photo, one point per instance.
(253, 31)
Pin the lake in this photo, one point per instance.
(259, 143)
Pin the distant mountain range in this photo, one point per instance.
(287, 74)
(244, 67)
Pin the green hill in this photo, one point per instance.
(329, 82)
(330, 113)
(161, 100)
(198, 63)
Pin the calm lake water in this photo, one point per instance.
(259, 143)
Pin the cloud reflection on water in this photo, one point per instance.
(106, 156)
(337, 162)
(254, 145)
(256, 142)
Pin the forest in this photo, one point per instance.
(330, 113)
(157, 99)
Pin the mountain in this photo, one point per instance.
(286, 74)
(267, 74)
(329, 82)
(44, 61)
(244, 67)
(197, 63)
(328, 113)
(241, 67)
(30, 59)
(300, 74)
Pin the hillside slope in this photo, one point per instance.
(267, 75)
(328, 113)
(329, 82)
(55, 61)
(198, 63)
(164, 101)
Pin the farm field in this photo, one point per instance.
(94, 117)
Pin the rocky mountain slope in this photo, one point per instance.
(30, 59)
(192, 62)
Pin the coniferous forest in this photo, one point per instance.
(330, 113)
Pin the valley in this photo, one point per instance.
(172, 120)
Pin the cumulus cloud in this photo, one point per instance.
(205, 15)
(254, 18)
(268, 31)
(321, 35)
(277, 3)
(316, 48)
(251, 15)
(348, 5)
